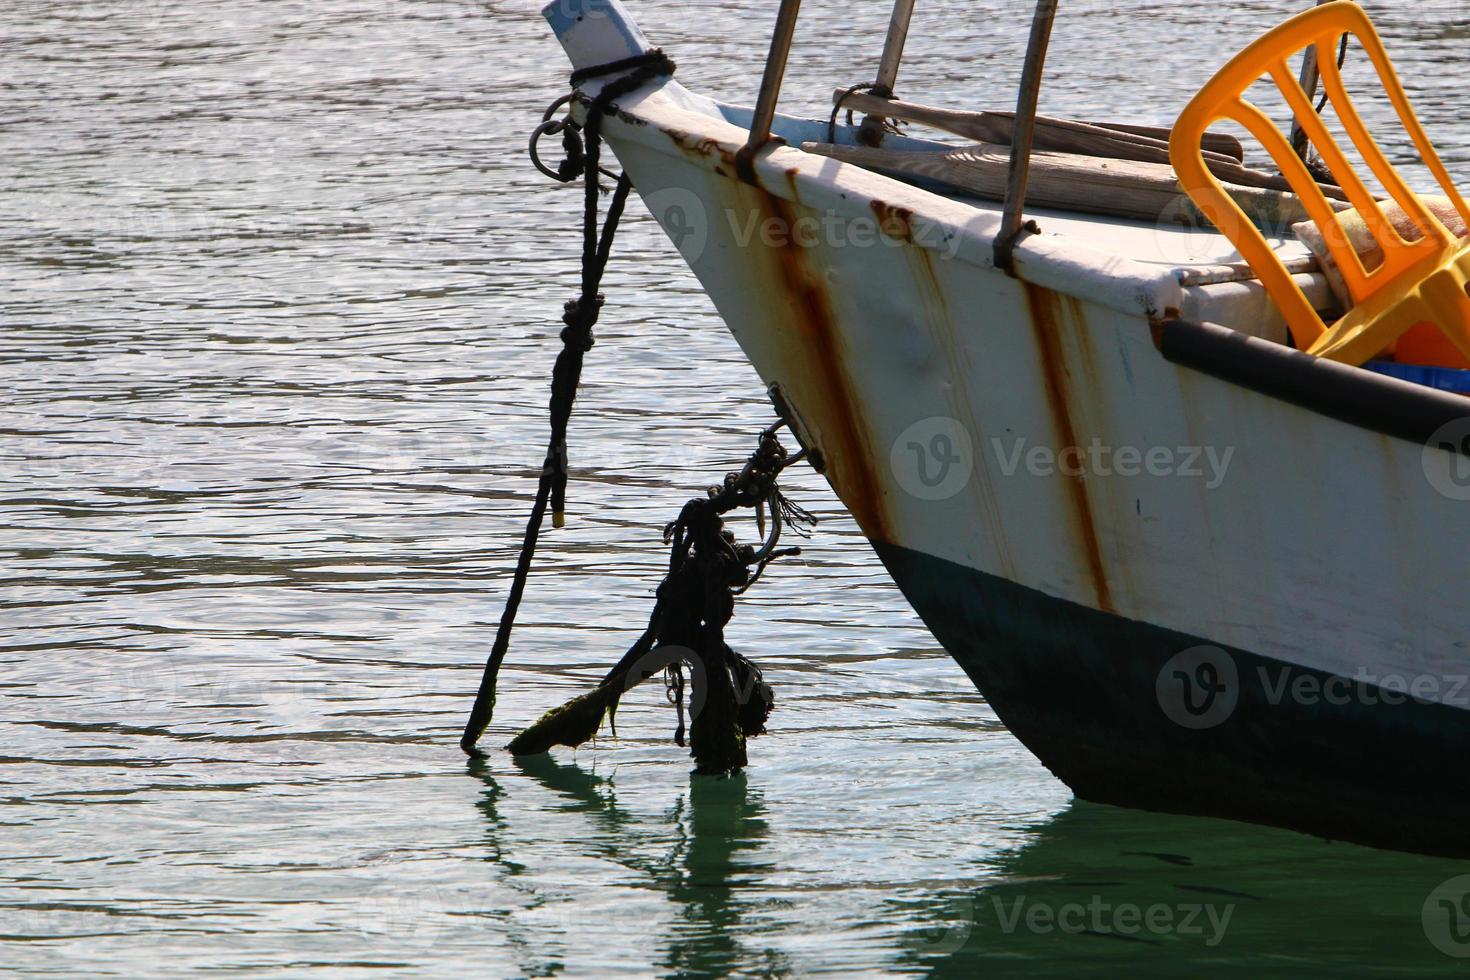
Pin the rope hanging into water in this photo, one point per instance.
(729, 700)
(580, 317)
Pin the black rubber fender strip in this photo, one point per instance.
(1353, 395)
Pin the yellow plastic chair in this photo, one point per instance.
(1420, 281)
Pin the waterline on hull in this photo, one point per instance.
(1124, 712)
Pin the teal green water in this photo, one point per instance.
(281, 297)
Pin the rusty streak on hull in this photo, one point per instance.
(1047, 320)
(895, 222)
(825, 391)
(820, 383)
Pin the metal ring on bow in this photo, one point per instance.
(551, 109)
(551, 126)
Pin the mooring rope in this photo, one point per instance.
(882, 91)
(708, 568)
(579, 318)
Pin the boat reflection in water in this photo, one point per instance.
(1098, 886)
(1094, 890)
(702, 853)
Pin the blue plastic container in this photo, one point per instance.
(1445, 379)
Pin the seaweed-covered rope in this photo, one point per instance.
(579, 318)
(708, 568)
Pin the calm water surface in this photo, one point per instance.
(280, 300)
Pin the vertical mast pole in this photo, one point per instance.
(1025, 131)
(871, 133)
(765, 104)
(1311, 74)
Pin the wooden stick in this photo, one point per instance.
(1058, 135)
(770, 91)
(1065, 136)
(898, 32)
(871, 131)
(1222, 143)
(1070, 182)
(979, 126)
(995, 127)
(1023, 141)
(1309, 79)
(1149, 148)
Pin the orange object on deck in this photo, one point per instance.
(1421, 281)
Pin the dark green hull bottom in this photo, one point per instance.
(1113, 710)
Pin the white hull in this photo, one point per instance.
(1100, 474)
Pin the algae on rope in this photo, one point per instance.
(729, 699)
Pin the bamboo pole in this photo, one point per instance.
(1069, 136)
(765, 104)
(898, 32)
(1026, 101)
(871, 131)
(1310, 76)
(1068, 182)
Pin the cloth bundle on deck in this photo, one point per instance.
(1425, 344)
